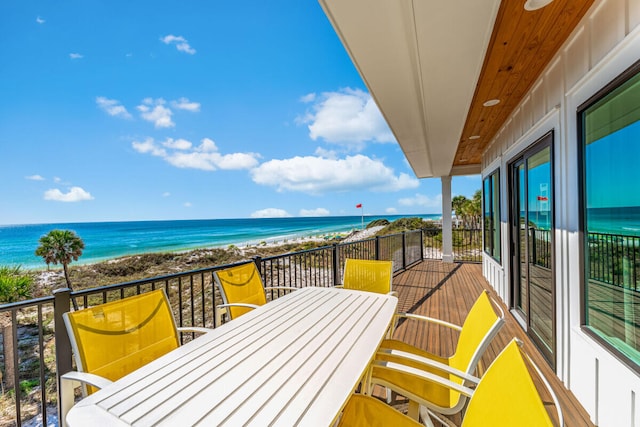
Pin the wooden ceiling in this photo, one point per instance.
(522, 44)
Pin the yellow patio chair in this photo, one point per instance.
(504, 397)
(368, 275)
(481, 325)
(113, 339)
(242, 289)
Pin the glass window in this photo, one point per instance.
(491, 213)
(610, 152)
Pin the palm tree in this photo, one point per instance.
(61, 247)
(457, 204)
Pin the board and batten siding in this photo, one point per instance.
(603, 45)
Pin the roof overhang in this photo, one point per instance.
(420, 61)
(432, 65)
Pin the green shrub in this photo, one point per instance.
(15, 285)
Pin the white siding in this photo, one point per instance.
(604, 44)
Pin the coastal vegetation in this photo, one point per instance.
(15, 284)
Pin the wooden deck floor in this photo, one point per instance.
(447, 291)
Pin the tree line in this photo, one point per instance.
(468, 211)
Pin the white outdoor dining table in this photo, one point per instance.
(293, 361)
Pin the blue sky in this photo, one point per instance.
(114, 111)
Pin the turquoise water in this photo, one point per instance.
(106, 240)
(623, 221)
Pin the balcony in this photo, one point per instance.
(424, 286)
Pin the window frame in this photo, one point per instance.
(495, 174)
(614, 84)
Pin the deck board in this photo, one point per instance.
(447, 291)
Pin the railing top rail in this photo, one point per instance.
(118, 286)
(321, 248)
(26, 303)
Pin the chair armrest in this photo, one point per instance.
(284, 288)
(429, 319)
(71, 380)
(238, 304)
(419, 373)
(196, 329)
(338, 286)
(86, 378)
(431, 363)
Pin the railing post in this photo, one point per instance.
(336, 265)
(62, 304)
(258, 260)
(421, 244)
(377, 247)
(404, 250)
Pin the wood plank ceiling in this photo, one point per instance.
(522, 44)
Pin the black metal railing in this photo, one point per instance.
(540, 247)
(28, 359)
(614, 259)
(467, 244)
(35, 340)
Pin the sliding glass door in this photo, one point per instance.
(531, 218)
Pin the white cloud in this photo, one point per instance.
(347, 117)
(154, 111)
(207, 145)
(317, 175)
(179, 42)
(75, 56)
(35, 177)
(40, 20)
(57, 179)
(314, 212)
(422, 201)
(310, 97)
(187, 204)
(185, 104)
(177, 144)
(182, 154)
(166, 194)
(112, 107)
(75, 194)
(270, 213)
(148, 146)
(327, 154)
(391, 211)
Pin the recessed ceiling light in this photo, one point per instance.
(531, 5)
(491, 102)
(474, 137)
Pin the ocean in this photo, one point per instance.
(621, 221)
(108, 240)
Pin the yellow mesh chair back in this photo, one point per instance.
(367, 411)
(481, 325)
(368, 275)
(241, 284)
(504, 397)
(480, 322)
(118, 337)
(507, 396)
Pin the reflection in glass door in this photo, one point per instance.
(531, 215)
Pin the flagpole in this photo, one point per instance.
(359, 206)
